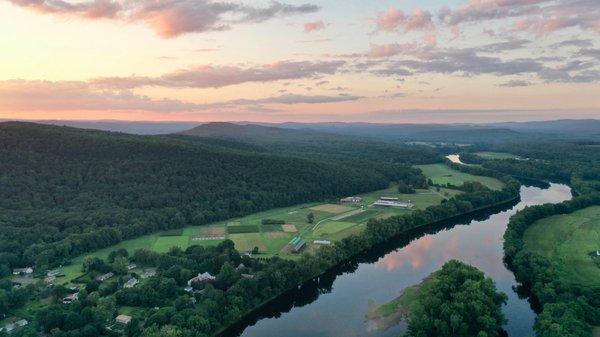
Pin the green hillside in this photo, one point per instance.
(66, 191)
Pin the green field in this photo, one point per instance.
(442, 175)
(496, 155)
(567, 240)
(248, 232)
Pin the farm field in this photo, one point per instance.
(332, 222)
(442, 175)
(568, 240)
(496, 155)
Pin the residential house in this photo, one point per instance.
(104, 277)
(204, 277)
(132, 282)
(123, 319)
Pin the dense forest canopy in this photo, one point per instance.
(66, 191)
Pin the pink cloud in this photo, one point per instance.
(394, 19)
(209, 76)
(387, 50)
(313, 26)
(168, 18)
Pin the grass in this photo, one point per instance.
(270, 239)
(443, 175)
(242, 229)
(330, 227)
(332, 208)
(247, 241)
(496, 155)
(567, 241)
(164, 243)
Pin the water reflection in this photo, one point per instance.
(337, 303)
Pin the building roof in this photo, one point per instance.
(124, 319)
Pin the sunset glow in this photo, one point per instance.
(309, 61)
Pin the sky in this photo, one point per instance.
(403, 61)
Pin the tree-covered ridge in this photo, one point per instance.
(206, 309)
(378, 156)
(458, 301)
(568, 310)
(66, 191)
(576, 162)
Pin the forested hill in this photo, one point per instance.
(65, 191)
(391, 160)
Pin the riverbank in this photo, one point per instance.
(228, 331)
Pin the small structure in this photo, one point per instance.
(16, 324)
(241, 266)
(204, 277)
(131, 266)
(322, 242)
(104, 277)
(53, 272)
(149, 274)
(132, 282)
(392, 202)
(297, 244)
(49, 279)
(249, 276)
(351, 200)
(25, 271)
(71, 298)
(123, 319)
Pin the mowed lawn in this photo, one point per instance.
(442, 175)
(271, 239)
(496, 155)
(567, 241)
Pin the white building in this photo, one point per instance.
(351, 200)
(132, 282)
(123, 319)
(104, 277)
(26, 271)
(204, 277)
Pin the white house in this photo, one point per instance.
(132, 282)
(26, 270)
(104, 277)
(204, 277)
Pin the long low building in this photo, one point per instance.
(388, 202)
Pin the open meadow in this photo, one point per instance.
(331, 222)
(568, 240)
(442, 174)
(496, 155)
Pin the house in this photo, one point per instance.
(351, 200)
(17, 324)
(297, 244)
(49, 279)
(240, 266)
(53, 272)
(322, 242)
(123, 319)
(132, 282)
(131, 266)
(204, 277)
(70, 298)
(104, 277)
(149, 274)
(26, 271)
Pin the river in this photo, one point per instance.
(336, 305)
